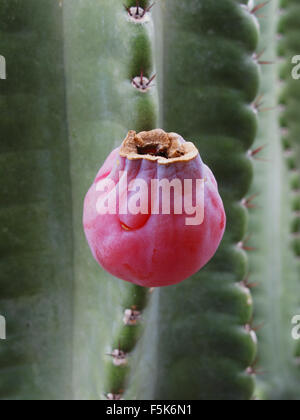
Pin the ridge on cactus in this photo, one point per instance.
(153, 215)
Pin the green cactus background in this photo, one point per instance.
(213, 71)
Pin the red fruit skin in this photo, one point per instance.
(153, 250)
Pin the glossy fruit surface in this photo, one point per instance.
(153, 215)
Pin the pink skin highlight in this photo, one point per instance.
(147, 249)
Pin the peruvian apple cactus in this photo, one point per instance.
(135, 229)
(80, 75)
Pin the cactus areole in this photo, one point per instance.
(153, 215)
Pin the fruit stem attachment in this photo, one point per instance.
(157, 145)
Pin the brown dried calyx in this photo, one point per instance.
(157, 145)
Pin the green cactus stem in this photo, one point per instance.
(206, 346)
(112, 81)
(272, 264)
(67, 102)
(289, 47)
(290, 99)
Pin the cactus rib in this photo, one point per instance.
(290, 100)
(121, 103)
(211, 79)
(273, 265)
(73, 101)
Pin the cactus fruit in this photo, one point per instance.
(147, 237)
(80, 75)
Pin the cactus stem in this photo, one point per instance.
(259, 6)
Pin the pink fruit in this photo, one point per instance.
(139, 231)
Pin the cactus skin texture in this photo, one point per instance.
(67, 98)
(100, 113)
(63, 114)
(273, 267)
(289, 47)
(209, 82)
(36, 244)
